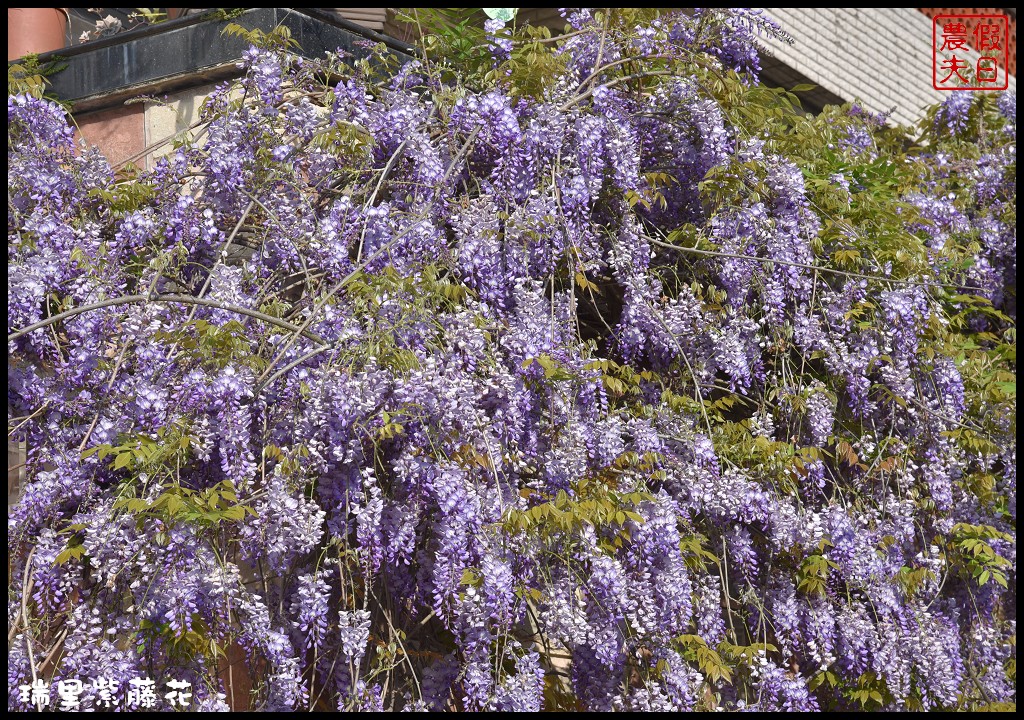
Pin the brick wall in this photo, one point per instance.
(15, 471)
(880, 57)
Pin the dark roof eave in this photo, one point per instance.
(191, 51)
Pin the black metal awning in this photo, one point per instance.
(190, 51)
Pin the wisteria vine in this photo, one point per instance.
(578, 374)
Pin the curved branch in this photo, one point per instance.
(270, 380)
(168, 298)
(816, 268)
(564, 107)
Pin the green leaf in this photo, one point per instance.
(1009, 388)
(91, 451)
(237, 512)
(174, 504)
(503, 14)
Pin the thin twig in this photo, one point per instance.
(324, 300)
(167, 298)
(27, 418)
(816, 268)
(25, 588)
(270, 381)
(616, 81)
(385, 173)
(53, 651)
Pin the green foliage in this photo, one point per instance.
(214, 346)
(913, 579)
(695, 553)
(454, 40)
(619, 379)
(971, 551)
(29, 77)
(870, 692)
(813, 574)
(824, 677)
(503, 14)
(280, 38)
(206, 508)
(346, 141)
(151, 15)
(394, 302)
(187, 643)
(997, 707)
(125, 197)
(224, 14)
(143, 452)
(74, 551)
(593, 504)
(695, 649)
